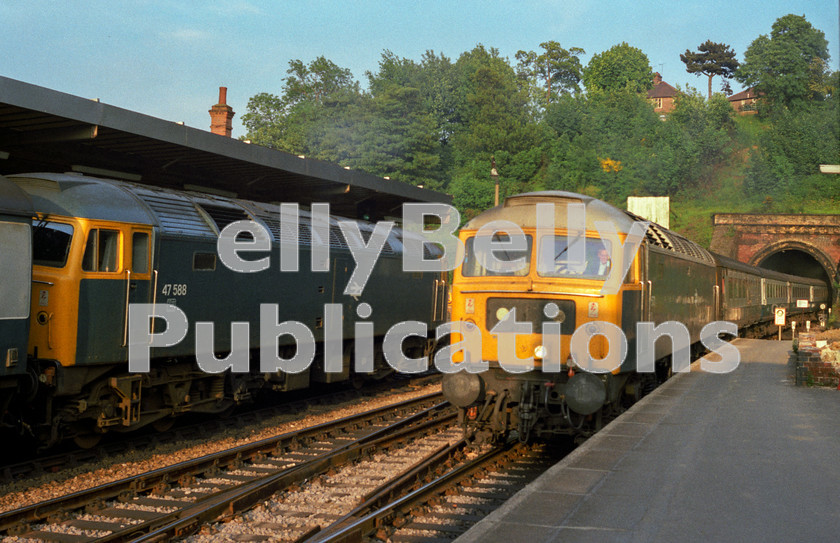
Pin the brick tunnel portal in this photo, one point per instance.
(807, 245)
(795, 262)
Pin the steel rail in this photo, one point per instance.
(229, 503)
(379, 510)
(20, 465)
(163, 476)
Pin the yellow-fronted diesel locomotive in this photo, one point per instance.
(557, 284)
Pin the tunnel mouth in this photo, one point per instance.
(799, 262)
(795, 262)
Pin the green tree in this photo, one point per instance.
(401, 140)
(492, 116)
(558, 69)
(711, 59)
(789, 65)
(613, 145)
(313, 95)
(316, 81)
(598, 130)
(794, 144)
(434, 77)
(337, 130)
(621, 67)
(265, 121)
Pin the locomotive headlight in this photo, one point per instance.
(501, 313)
(539, 352)
(822, 306)
(553, 311)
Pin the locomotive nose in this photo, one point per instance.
(463, 389)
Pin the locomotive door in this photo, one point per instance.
(635, 305)
(138, 271)
(647, 284)
(116, 272)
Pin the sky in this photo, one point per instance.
(168, 59)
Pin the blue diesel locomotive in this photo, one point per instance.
(101, 246)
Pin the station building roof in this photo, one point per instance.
(43, 130)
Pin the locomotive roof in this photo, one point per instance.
(13, 200)
(521, 210)
(79, 196)
(180, 213)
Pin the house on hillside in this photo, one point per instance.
(744, 101)
(662, 96)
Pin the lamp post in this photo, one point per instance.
(495, 175)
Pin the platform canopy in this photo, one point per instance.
(42, 130)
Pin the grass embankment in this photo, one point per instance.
(725, 191)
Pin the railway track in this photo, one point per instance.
(23, 464)
(176, 500)
(444, 505)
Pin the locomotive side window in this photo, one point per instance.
(51, 243)
(101, 251)
(204, 261)
(510, 262)
(140, 252)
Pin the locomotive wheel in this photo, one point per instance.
(164, 424)
(227, 412)
(87, 441)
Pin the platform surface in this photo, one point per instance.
(744, 456)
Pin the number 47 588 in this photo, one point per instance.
(176, 289)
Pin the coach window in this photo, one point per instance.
(140, 252)
(101, 251)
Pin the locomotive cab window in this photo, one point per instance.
(51, 243)
(101, 251)
(558, 259)
(507, 259)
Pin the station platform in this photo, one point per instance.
(744, 456)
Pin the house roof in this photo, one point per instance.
(746, 94)
(662, 90)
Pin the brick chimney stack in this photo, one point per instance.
(657, 79)
(221, 115)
